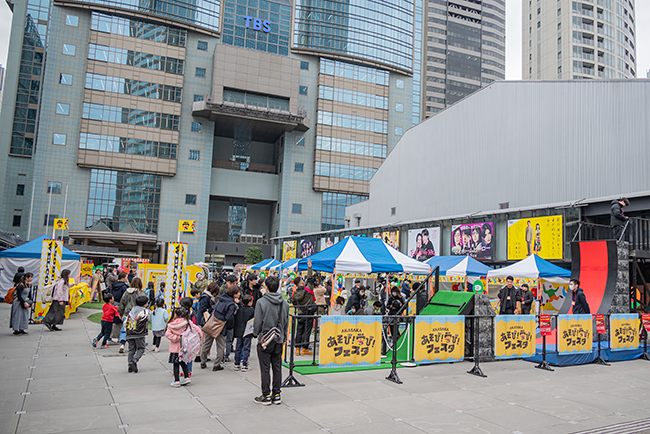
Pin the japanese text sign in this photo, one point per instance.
(545, 325)
(176, 259)
(350, 341)
(439, 338)
(515, 336)
(625, 331)
(575, 334)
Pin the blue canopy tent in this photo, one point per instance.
(266, 264)
(458, 266)
(291, 264)
(533, 267)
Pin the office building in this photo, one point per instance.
(585, 39)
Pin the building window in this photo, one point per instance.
(198, 97)
(16, 222)
(559, 26)
(65, 79)
(393, 211)
(399, 131)
(20, 190)
(300, 141)
(50, 221)
(190, 199)
(54, 187)
(539, 24)
(107, 83)
(202, 45)
(399, 84)
(559, 11)
(303, 90)
(256, 99)
(299, 167)
(296, 208)
(196, 127)
(62, 109)
(72, 20)
(399, 107)
(58, 139)
(333, 210)
(69, 49)
(195, 154)
(124, 145)
(304, 65)
(559, 69)
(200, 72)
(277, 208)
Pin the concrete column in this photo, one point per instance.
(138, 249)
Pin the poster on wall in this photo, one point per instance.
(541, 236)
(376, 234)
(424, 243)
(473, 239)
(391, 238)
(328, 242)
(288, 250)
(307, 247)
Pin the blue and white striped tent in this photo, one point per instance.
(266, 264)
(363, 255)
(291, 264)
(458, 266)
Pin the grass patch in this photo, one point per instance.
(93, 305)
(95, 317)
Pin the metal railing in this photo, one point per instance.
(636, 231)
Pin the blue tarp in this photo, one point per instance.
(556, 359)
(455, 265)
(32, 250)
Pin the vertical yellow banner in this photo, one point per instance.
(575, 334)
(515, 336)
(350, 341)
(49, 270)
(174, 282)
(624, 331)
(439, 338)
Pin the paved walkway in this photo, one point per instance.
(55, 382)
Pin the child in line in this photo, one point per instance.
(177, 326)
(159, 320)
(243, 348)
(109, 313)
(188, 302)
(136, 326)
(339, 307)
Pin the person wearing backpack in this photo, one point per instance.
(270, 326)
(127, 302)
(60, 298)
(21, 304)
(136, 325)
(178, 325)
(159, 319)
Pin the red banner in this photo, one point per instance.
(545, 325)
(645, 318)
(600, 324)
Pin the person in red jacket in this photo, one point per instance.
(109, 312)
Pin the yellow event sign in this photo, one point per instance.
(575, 334)
(187, 226)
(625, 331)
(175, 280)
(60, 224)
(536, 235)
(86, 271)
(439, 338)
(515, 336)
(350, 341)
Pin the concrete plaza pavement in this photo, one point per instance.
(56, 382)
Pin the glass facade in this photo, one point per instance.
(127, 86)
(354, 122)
(124, 201)
(377, 30)
(352, 97)
(121, 115)
(354, 72)
(350, 146)
(138, 59)
(343, 171)
(256, 99)
(333, 210)
(258, 25)
(123, 145)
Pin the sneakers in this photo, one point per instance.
(131, 367)
(156, 349)
(176, 384)
(135, 367)
(185, 382)
(307, 352)
(263, 399)
(245, 368)
(104, 346)
(204, 365)
(55, 328)
(49, 327)
(95, 342)
(121, 350)
(217, 368)
(236, 367)
(276, 400)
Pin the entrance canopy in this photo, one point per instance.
(363, 255)
(458, 266)
(266, 264)
(533, 267)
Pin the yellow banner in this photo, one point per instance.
(187, 226)
(86, 271)
(175, 280)
(536, 235)
(79, 294)
(50, 266)
(575, 334)
(350, 341)
(289, 250)
(439, 338)
(515, 336)
(61, 224)
(624, 331)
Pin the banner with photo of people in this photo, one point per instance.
(424, 243)
(473, 239)
(307, 247)
(328, 242)
(288, 250)
(541, 236)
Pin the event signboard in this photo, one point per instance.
(473, 239)
(625, 331)
(49, 271)
(439, 338)
(645, 317)
(515, 336)
(175, 277)
(545, 325)
(307, 247)
(86, 271)
(348, 341)
(575, 334)
(424, 243)
(288, 250)
(541, 236)
(328, 242)
(599, 319)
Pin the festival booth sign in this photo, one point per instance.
(175, 277)
(350, 341)
(461, 273)
(514, 336)
(624, 331)
(156, 273)
(575, 334)
(439, 339)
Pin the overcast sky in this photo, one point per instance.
(513, 37)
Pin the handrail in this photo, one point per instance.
(419, 290)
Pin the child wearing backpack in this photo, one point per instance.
(181, 326)
(136, 326)
(188, 303)
(243, 348)
(109, 313)
(159, 320)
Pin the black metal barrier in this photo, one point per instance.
(392, 324)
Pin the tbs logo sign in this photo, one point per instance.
(258, 24)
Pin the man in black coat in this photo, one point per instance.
(527, 299)
(578, 299)
(617, 218)
(509, 298)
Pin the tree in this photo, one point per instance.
(253, 255)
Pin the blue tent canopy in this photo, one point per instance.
(32, 250)
(266, 264)
(286, 265)
(532, 267)
(458, 266)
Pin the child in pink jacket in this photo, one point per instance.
(179, 322)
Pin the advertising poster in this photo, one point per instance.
(439, 339)
(542, 236)
(328, 242)
(473, 239)
(376, 234)
(307, 247)
(599, 319)
(575, 334)
(625, 331)
(391, 238)
(175, 277)
(424, 243)
(645, 317)
(515, 336)
(288, 250)
(350, 341)
(545, 325)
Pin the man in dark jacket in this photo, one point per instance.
(251, 287)
(509, 298)
(357, 302)
(617, 218)
(225, 310)
(271, 311)
(231, 282)
(527, 299)
(243, 348)
(119, 288)
(206, 302)
(579, 303)
(303, 297)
